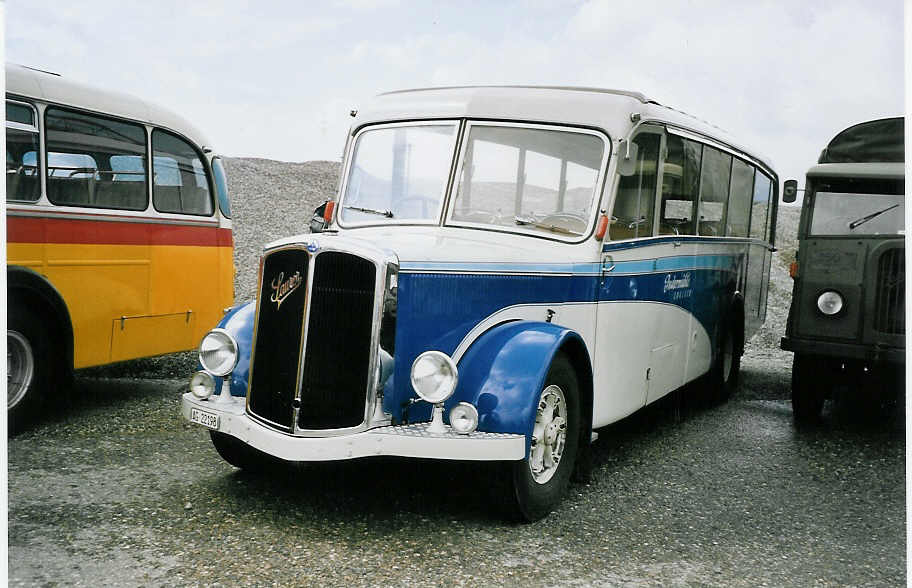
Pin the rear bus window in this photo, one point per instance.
(179, 180)
(22, 181)
(85, 161)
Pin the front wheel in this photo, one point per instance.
(808, 389)
(538, 482)
(241, 455)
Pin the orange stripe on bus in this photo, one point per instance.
(51, 230)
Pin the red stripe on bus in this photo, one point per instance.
(51, 230)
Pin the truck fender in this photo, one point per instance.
(502, 374)
(239, 322)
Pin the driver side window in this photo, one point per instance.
(634, 205)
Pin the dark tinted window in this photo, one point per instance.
(680, 182)
(634, 205)
(22, 181)
(179, 180)
(82, 168)
(739, 199)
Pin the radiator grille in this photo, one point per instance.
(334, 383)
(274, 370)
(890, 310)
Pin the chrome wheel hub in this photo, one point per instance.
(728, 354)
(20, 367)
(549, 436)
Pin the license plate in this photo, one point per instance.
(201, 417)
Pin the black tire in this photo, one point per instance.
(241, 455)
(35, 367)
(726, 370)
(530, 499)
(809, 387)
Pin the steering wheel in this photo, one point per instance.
(566, 220)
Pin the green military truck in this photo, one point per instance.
(846, 323)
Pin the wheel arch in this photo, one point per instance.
(29, 288)
(503, 372)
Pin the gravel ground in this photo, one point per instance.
(117, 489)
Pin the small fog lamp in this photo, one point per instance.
(218, 352)
(464, 418)
(202, 385)
(830, 303)
(434, 376)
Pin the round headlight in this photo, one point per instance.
(218, 352)
(202, 385)
(829, 303)
(464, 418)
(434, 376)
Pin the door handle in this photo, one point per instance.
(607, 263)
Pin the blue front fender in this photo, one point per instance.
(504, 371)
(239, 322)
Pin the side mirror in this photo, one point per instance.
(627, 157)
(318, 222)
(790, 191)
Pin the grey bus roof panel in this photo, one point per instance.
(608, 110)
(40, 85)
(874, 171)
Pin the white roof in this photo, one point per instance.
(27, 82)
(604, 109)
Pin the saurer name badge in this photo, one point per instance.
(282, 288)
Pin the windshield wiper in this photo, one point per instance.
(386, 213)
(864, 219)
(540, 225)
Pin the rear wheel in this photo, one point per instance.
(241, 455)
(33, 366)
(727, 368)
(538, 482)
(809, 383)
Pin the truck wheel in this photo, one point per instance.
(241, 455)
(808, 389)
(727, 367)
(539, 482)
(32, 367)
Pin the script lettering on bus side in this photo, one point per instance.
(675, 283)
(282, 288)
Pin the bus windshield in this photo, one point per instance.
(838, 213)
(399, 173)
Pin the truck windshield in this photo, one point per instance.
(838, 213)
(399, 173)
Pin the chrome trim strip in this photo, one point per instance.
(109, 215)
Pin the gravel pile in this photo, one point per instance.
(275, 199)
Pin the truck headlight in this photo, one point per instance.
(218, 352)
(830, 303)
(464, 418)
(202, 385)
(434, 376)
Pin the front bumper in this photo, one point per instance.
(401, 440)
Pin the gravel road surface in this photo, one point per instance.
(118, 490)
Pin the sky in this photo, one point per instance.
(278, 79)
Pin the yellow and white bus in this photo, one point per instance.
(119, 241)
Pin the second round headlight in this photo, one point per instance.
(464, 418)
(830, 302)
(218, 352)
(434, 376)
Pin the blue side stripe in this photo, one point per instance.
(638, 266)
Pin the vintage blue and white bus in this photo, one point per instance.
(504, 270)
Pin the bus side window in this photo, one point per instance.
(84, 161)
(760, 205)
(634, 204)
(680, 184)
(714, 183)
(179, 180)
(739, 199)
(22, 182)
